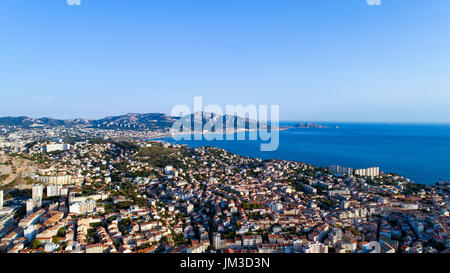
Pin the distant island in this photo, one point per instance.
(311, 125)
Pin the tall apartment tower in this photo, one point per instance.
(37, 192)
(217, 241)
(29, 204)
(54, 190)
(373, 171)
(336, 169)
(36, 197)
(1, 199)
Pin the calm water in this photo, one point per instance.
(418, 152)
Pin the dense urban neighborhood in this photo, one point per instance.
(91, 189)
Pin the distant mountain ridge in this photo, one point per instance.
(135, 120)
(209, 121)
(132, 121)
(32, 122)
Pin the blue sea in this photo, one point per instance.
(420, 152)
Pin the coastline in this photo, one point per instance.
(393, 148)
(169, 134)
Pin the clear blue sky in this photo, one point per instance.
(337, 60)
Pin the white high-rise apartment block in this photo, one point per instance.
(30, 233)
(32, 204)
(59, 180)
(217, 241)
(275, 206)
(29, 204)
(54, 190)
(37, 192)
(336, 169)
(36, 198)
(57, 147)
(335, 235)
(83, 207)
(1, 199)
(373, 171)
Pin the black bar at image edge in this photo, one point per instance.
(226, 262)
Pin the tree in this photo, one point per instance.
(62, 232)
(35, 244)
(55, 240)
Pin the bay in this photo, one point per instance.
(420, 152)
